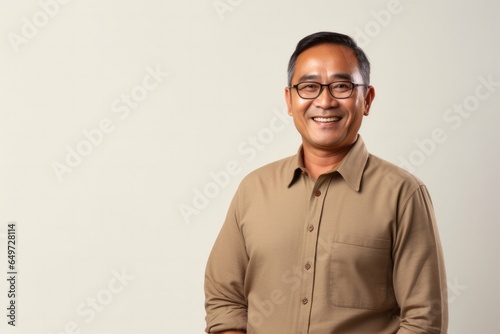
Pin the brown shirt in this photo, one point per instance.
(356, 251)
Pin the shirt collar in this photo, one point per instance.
(351, 167)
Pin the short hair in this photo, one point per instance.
(326, 37)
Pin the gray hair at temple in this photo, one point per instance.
(326, 37)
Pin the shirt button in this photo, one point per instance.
(317, 193)
(304, 301)
(307, 266)
(310, 228)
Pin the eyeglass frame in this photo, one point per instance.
(354, 85)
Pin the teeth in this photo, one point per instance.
(326, 119)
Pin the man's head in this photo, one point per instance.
(326, 37)
(328, 92)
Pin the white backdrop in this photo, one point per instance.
(126, 127)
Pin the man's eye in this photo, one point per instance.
(341, 86)
(309, 87)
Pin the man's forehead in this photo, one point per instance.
(328, 53)
(338, 61)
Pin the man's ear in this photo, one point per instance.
(288, 100)
(369, 96)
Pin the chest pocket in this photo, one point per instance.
(360, 272)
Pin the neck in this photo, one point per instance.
(318, 161)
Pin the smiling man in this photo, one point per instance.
(333, 239)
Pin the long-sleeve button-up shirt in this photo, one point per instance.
(356, 251)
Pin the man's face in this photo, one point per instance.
(326, 123)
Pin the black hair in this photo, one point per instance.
(326, 37)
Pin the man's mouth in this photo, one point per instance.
(326, 119)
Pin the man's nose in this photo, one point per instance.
(325, 100)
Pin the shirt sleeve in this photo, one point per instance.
(419, 272)
(225, 301)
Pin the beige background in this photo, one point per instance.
(65, 69)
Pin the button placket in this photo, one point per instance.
(311, 243)
(314, 215)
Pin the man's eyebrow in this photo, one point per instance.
(309, 77)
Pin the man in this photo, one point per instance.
(333, 239)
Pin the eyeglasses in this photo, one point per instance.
(338, 89)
